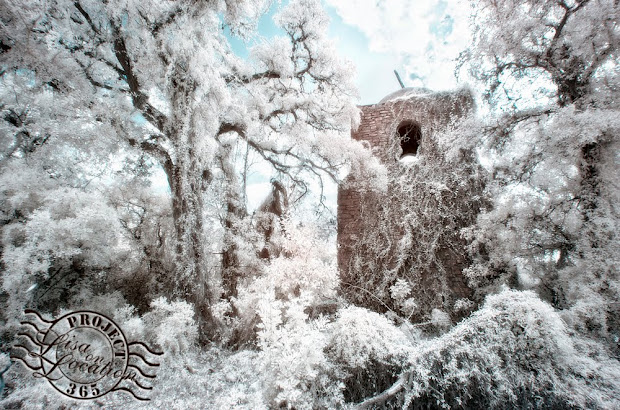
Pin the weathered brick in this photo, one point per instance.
(378, 126)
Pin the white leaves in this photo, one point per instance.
(171, 325)
(360, 336)
(274, 55)
(515, 346)
(243, 15)
(292, 356)
(72, 224)
(400, 290)
(518, 42)
(462, 305)
(303, 18)
(304, 274)
(538, 184)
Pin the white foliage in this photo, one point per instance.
(400, 290)
(534, 49)
(538, 210)
(360, 337)
(73, 226)
(463, 305)
(171, 325)
(514, 349)
(293, 362)
(304, 271)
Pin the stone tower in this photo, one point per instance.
(398, 129)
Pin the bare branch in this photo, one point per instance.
(386, 395)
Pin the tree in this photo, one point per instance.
(515, 352)
(554, 220)
(59, 234)
(162, 78)
(568, 42)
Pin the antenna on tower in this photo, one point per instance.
(399, 80)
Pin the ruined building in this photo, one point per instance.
(372, 256)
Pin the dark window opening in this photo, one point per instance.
(410, 135)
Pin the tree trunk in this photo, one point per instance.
(187, 216)
(188, 179)
(590, 191)
(230, 260)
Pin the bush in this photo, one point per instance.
(171, 325)
(515, 352)
(369, 351)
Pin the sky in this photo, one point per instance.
(418, 38)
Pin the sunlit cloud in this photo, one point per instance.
(424, 36)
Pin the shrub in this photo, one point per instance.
(515, 352)
(171, 325)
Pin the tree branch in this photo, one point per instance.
(277, 165)
(139, 99)
(258, 76)
(304, 163)
(159, 153)
(386, 395)
(86, 16)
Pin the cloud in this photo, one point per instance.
(425, 35)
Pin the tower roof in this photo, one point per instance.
(406, 93)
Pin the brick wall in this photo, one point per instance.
(378, 126)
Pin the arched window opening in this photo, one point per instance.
(410, 135)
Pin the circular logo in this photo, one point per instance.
(84, 354)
